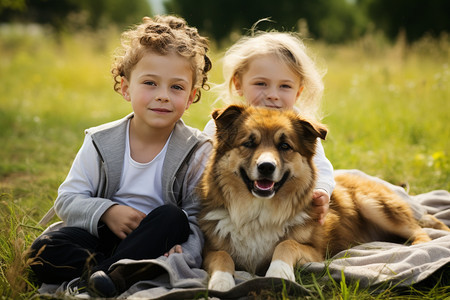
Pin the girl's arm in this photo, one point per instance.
(325, 183)
(325, 177)
(210, 128)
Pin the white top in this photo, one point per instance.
(141, 183)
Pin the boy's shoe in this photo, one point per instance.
(120, 279)
(101, 285)
(76, 286)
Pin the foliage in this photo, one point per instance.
(75, 14)
(402, 15)
(336, 21)
(333, 21)
(12, 5)
(386, 108)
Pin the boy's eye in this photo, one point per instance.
(150, 83)
(286, 86)
(178, 87)
(260, 83)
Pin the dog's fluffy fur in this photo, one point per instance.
(256, 195)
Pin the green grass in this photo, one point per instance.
(386, 107)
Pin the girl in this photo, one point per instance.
(130, 191)
(272, 69)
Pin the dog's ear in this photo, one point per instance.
(308, 132)
(224, 118)
(227, 125)
(316, 130)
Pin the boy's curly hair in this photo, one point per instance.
(163, 35)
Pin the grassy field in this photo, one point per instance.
(387, 108)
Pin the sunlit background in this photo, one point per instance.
(386, 100)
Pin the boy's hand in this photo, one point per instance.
(122, 219)
(321, 202)
(175, 249)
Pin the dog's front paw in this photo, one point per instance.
(221, 281)
(280, 269)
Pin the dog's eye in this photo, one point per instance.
(249, 144)
(284, 146)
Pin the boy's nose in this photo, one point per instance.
(162, 99)
(162, 96)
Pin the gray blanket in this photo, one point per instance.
(371, 264)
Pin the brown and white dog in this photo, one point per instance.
(256, 200)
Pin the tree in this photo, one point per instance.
(122, 13)
(415, 17)
(329, 20)
(60, 14)
(332, 20)
(12, 5)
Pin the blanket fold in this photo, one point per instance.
(372, 264)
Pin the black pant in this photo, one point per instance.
(71, 252)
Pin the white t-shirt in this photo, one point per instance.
(141, 183)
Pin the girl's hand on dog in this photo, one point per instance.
(321, 203)
(122, 219)
(175, 249)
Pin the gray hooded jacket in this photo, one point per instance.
(186, 157)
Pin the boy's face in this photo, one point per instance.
(269, 82)
(159, 89)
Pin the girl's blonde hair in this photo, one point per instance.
(290, 49)
(163, 35)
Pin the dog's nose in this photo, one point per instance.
(266, 168)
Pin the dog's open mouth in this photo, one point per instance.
(263, 188)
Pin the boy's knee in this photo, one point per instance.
(169, 216)
(169, 212)
(38, 246)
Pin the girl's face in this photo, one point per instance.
(159, 89)
(269, 82)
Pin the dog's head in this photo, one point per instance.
(266, 149)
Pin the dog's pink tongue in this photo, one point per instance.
(264, 184)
